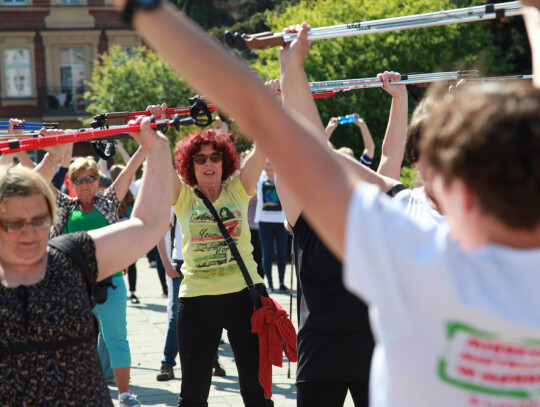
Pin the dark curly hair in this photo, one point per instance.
(192, 144)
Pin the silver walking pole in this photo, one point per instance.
(464, 15)
(377, 82)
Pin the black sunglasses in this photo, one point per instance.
(80, 180)
(202, 158)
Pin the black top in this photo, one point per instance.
(334, 335)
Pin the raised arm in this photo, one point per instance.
(252, 168)
(369, 145)
(52, 160)
(123, 181)
(125, 155)
(393, 146)
(158, 111)
(22, 156)
(330, 127)
(531, 16)
(297, 98)
(60, 174)
(294, 149)
(150, 217)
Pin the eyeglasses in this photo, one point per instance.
(43, 222)
(80, 180)
(202, 158)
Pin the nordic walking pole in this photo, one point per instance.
(33, 142)
(198, 106)
(29, 125)
(291, 296)
(242, 42)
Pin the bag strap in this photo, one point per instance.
(253, 292)
(68, 246)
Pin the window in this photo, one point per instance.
(70, 2)
(18, 73)
(14, 2)
(72, 76)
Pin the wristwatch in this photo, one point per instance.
(135, 5)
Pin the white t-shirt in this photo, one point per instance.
(416, 205)
(177, 249)
(268, 206)
(453, 328)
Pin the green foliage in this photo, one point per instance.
(131, 81)
(410, 177)
(434, 49)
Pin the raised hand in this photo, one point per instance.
(390, 79)
(13, 123)
(294, 53)
(146, 137)
(158, 111)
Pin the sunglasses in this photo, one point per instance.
(18, 227)
(202, 158)
(80, 180)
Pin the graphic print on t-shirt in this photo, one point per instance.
(270, 197)
(210, 251)
(497, 370)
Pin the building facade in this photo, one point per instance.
(47, 49)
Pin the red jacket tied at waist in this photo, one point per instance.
(276, 333)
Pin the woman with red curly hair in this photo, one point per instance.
(213, 293)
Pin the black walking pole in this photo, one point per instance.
(291, 295)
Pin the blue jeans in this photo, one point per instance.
(270, 232)
(171, 341)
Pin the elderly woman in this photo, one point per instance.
(92, 210)
(48, 352)
(213, 294)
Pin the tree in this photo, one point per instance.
(435, 49)
(130, 81)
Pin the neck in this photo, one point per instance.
(13, 275)
(212, 192)
(485, 229)
(85, 205)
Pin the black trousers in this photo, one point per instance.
(201, 321)
(331, 394)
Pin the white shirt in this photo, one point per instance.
(452, 327)
(177, 249)
(268, 206)
(416, 205)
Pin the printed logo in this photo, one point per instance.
(501, 371)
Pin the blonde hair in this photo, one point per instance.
(20, 181)
(83, 164)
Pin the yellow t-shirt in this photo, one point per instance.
(209, 267)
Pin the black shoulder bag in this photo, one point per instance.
(253, 291)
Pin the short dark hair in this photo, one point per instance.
(488, 136)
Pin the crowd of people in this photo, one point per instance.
(415, 297)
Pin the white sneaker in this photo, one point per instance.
(130, 400)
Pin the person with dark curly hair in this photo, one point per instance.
(214, 294)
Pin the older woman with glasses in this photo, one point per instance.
(213, 294)
(93, 210)
(47, 349)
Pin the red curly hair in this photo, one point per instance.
(192, 144)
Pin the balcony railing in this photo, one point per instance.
(64, 101)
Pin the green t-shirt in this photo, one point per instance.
(81, 221)
(209, 267)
